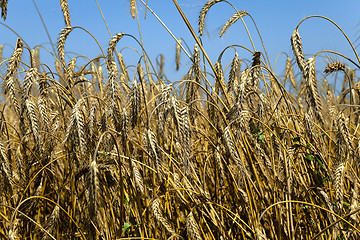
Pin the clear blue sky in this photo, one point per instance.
(275, 19)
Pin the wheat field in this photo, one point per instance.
(230, 151)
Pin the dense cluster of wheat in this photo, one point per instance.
(96, 152)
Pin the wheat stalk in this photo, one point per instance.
(124, 127)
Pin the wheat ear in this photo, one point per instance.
(1, 52)
(289, 72)
(65, 9)
(155, 207)
(203, 13)
(231, 21)
(192, 227)
(135, 103)
(3, 4)
(234, 73)
(312, 89)
(10, 75)
(123, 66)
(177, 54)
(138, 178)
(133, 8)
(334, 67)
(52, 222)
(112, 44)
(339, 186)
(61, 44)
(154, 151)
(33, 118)
(298, 49)
(230, 144)
(76, 124)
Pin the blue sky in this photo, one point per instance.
(275, 19)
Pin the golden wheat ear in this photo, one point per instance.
(3, 4)
(65, 9)
(132, 8)
(231, 21)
